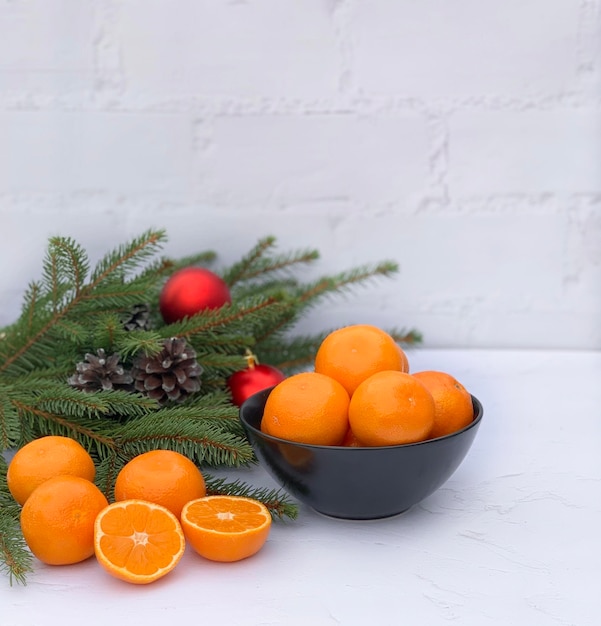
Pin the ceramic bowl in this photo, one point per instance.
(357, 483)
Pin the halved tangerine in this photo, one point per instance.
(226, 528)
(138, 541)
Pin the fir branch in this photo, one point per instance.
(15, 558)
(71, 259)
(65, 268)
(199, 259)
(10, 425)
(256, 264)
(113, 266)
(244, 314)
(345, 281)
(86, 431)
(63, 400)
(406, 338)
(128, 257)
(308, 295)
(226, 362)
(276, 288)
(238, 271)
(71, 331)
(276, 500)
(149, 342)
(204, 442)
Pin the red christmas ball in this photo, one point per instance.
(253, 379)
(190, 291)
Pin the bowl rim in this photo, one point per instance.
(478, 413)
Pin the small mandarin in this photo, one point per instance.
(163, 477)
(391, 408)
(404, 359)
(138, 541)
(44, 458)
(307, 408)
(353, 353)
(57, 520)
(226, 528)
(453, 403)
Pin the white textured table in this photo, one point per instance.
(514, 537)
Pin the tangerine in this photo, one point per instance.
(307, 408)
(391, 408)
(57, 520)
(350, 440)
(353, 353)
(453, 402)
(163, 477)
(44, 458)
(226, 528)
(138, 541)
(404, 359)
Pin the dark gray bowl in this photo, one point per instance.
(357, 483)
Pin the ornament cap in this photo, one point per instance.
(251, 359)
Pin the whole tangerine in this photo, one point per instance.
(44, 458)
(307, 408)
(162, 477)
(453, 402)
(57, 520)
(391, 408)
(353, 353)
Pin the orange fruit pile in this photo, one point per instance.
(160, 504)
(384, 404)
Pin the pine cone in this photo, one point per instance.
(171, 375)
(98, 371)
(138, 318)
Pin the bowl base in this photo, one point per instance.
(346, 518)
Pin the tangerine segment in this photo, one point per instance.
(226, 528)
(391, 408)
(57, 520)
(353, 353)
(44, 458)
(307, 408)
(138, 541)
(454, 408)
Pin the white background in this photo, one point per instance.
(460, 138)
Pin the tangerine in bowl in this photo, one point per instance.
(354, 481)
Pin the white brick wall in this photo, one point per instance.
(460, 138)
(461, 48)
(273, 160)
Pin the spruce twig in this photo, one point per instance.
(15, 558)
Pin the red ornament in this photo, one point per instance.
(253, 379)
(190, 291)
